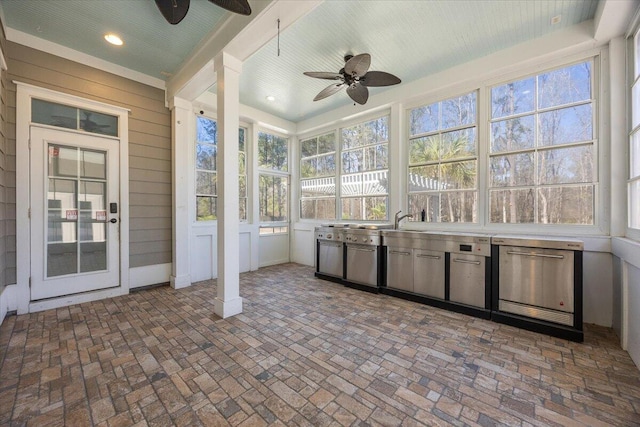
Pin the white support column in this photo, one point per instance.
(181, 119)
(228, 301)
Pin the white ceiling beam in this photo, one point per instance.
(240, 36)
(612, 18)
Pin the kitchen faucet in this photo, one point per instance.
(398, 218)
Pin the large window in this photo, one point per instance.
(273, 180)
(443, 160)
(364, 182)
(542, 148)
(318, 177)
(363, 174)
(633, 186)
(206, 174)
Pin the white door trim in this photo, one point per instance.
(24, 94)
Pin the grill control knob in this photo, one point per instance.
(328, 236)
(355, 239)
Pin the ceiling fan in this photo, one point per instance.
(356, 77)
(174, 11)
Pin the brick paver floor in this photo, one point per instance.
(304, 352)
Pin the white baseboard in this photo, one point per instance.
(68, 300)
(149, 275)
(8, 301)
(275, 262)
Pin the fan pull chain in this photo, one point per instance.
(278, 36)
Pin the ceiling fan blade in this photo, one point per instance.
(173, 11)
(379, 78)
(236, 6)
(358, 93)
(358, 65)
(323, 75)
(329, 90)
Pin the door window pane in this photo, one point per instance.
(93, 164)
(50, 113)
(76, 240)
(59, 115)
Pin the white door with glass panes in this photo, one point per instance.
(74, 213)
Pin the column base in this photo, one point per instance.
(179, 282)
(227, 308)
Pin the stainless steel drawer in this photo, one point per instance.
(330, 259)
(428, 273)
(467, 279)
(537, 277)
(400, 268)
(362, 264)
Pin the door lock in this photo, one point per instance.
(113, 220)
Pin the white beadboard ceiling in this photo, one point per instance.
(408, 38)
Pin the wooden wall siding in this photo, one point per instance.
(149, 140)
(7, 193)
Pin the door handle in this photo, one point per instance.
(113, 220)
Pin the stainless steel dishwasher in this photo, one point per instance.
(536, 278)
(400, 264)
(469, 271)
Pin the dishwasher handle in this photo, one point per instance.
(466, 261)
(534, 254)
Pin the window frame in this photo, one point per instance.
(595, 102)
(439, 192)
(247, 166)
(337, 129)
(269, 228)
(302, 179)
(340, 173)
(633, 69)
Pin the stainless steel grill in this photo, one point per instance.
(330, 250)
(363, 253)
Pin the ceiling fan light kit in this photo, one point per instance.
(174, 11)
(356, 77)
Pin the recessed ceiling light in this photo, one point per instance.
(556, 19)
(271, 98)
(113, 39)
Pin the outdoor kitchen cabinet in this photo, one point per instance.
(400, 268)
